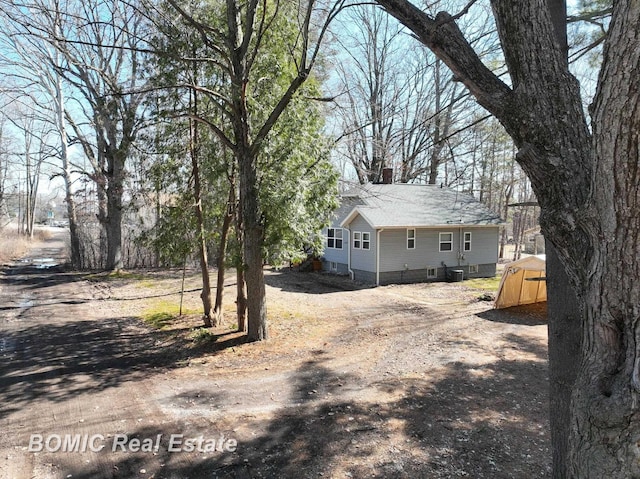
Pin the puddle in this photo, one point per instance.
(40, 263)
(44, 263)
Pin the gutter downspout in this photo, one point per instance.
(351, 275)
(460, 246)
(378, 256)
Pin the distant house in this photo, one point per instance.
(403, 233)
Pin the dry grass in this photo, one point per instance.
(14, 245)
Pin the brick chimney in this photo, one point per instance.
(387, 176)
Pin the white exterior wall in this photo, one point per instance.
(336, 255)
(361, 259)
(394, 254)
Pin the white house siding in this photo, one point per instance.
(361, 259)
(396, 257)
(337, 256)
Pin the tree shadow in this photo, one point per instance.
(81, 356)
(311, 283)
(31, 277)
(526, 315)
(466, 421)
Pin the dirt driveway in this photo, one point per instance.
(411, 381)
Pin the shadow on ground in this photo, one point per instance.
(59, 361)
(480, 422)
(312, 283)
(527, 315)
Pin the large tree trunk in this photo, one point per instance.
(606, 420)
(114, 217)
(241, 286)
(253, 236)
(587, 188)
(564, 314)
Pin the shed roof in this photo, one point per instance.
(523, 282)
(410, 205)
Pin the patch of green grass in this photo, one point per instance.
(120, 274)
(158, 320)
(485, 284)
(162, 312)
(203, 336)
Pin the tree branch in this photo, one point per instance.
(442, 35)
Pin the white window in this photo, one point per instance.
(366, 240)
(333, 266)
(411, 239)
(357, 240)
(473, 268)
(446, 241)
(334, 238)
(432, 272)
(467, 242)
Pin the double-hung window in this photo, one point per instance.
(361, 240)
(411, 239)
(366, 240)
(334, 238)
(357, 240)
(467, 241)
(446, 241)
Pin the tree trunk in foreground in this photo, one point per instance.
(241, 287)
(218, 314)
(253, 239)
(587, 185)
(564, 314)
(606, 400)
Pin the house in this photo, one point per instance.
(402, 233)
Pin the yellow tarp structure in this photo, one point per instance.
(522, 282)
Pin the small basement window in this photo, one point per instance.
(473, 268)
(432, 272)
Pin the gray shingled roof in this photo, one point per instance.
(409, 205)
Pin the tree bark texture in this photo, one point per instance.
(564, 313)
(218, 314)
(253, 236)
(115, 189)
(587, 186)
(240, 31)
(606, 401)
(241, 286)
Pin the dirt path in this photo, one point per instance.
(401, 381)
